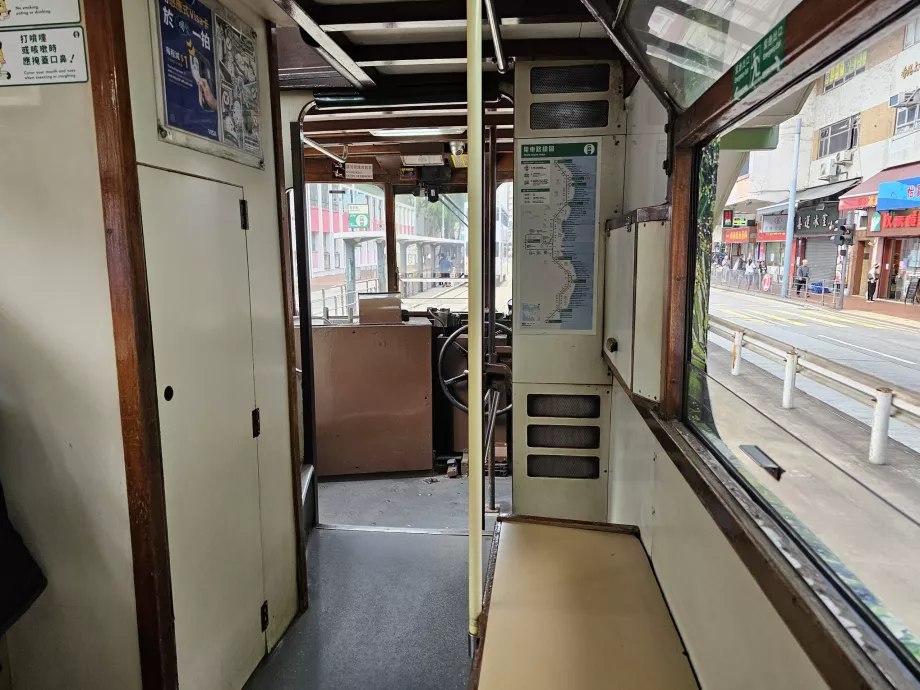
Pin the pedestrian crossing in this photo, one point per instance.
(800, 317)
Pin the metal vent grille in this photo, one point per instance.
(571, 406)
(570, 79)
(569, 115)
(563, 466)
(558, 436)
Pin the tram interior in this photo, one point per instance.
(391, 397)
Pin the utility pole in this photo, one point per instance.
(790, 218)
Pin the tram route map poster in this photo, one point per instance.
(556, 212)
(239, 89)
(190, 86)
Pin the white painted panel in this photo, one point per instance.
(265, 287)
(734, 636)
(199, 303)
(619, 291)
(652, 245)
(61, 456)
(646, 150)
(572, 499)
(632, 467)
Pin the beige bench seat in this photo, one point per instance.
(573, 607)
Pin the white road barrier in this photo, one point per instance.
(887, 399)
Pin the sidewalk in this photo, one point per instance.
(887, 311)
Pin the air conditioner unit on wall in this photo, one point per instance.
(843, 157)
(909, 98)
(827, 170)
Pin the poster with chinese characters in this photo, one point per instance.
(239, 88)
(42, 56)
(15, 13)
(190, 85)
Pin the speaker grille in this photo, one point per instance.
(563, 466)
(569, 115)
(571, 406)
(559, 436)
(570, 79)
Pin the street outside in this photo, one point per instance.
(868, 515)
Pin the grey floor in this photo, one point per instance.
(416, 502)
(388, 611)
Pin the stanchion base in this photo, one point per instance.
(472, 644)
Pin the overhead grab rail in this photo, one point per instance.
(495, 27)
(888, 399)
(322, 149)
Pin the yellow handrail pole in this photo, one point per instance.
(474, 133)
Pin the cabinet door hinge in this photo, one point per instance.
(264, 616)
(244, 214)
(256, 423)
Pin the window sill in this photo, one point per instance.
(844, 649)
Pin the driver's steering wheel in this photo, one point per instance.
(446, 383)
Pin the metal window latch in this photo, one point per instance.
(256, 423)
(244, 214)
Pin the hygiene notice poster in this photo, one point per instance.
(210, 78)
(42, 56)
(190, 86)
(239, 88)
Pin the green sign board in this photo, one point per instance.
(359, 217)
(560, 150)
(766, 58)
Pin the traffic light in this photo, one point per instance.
(843, 232)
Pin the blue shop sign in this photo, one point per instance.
(903, 194)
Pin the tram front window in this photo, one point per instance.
(433, 267)
(802, 371)
(346, 246)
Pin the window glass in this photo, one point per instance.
(689, 45)
(345, 246)
(792, 411)
(435, 271)
(910, 34)
(839, 136)
(844, 71)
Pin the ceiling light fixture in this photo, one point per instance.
(417, 131)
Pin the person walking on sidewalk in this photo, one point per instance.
(872, 282)
(749, 272)
(801, 277)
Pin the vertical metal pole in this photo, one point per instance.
(392, 278)
(736, 352)
(489, 257)
(792, 363)
(474, 192)
(843, 266)
(790, 219)
(308, 411)
(878, 442)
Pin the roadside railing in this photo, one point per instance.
(816, 291)
(336, 301)
(887, 399)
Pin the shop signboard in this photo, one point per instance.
(817, 220)
(735, 236)
(902, 194)
(897, 223)
(772, 228)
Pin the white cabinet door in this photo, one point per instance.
(198, 281)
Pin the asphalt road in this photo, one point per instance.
(884, 349)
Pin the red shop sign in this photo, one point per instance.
(735, 236)
(912, 220)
